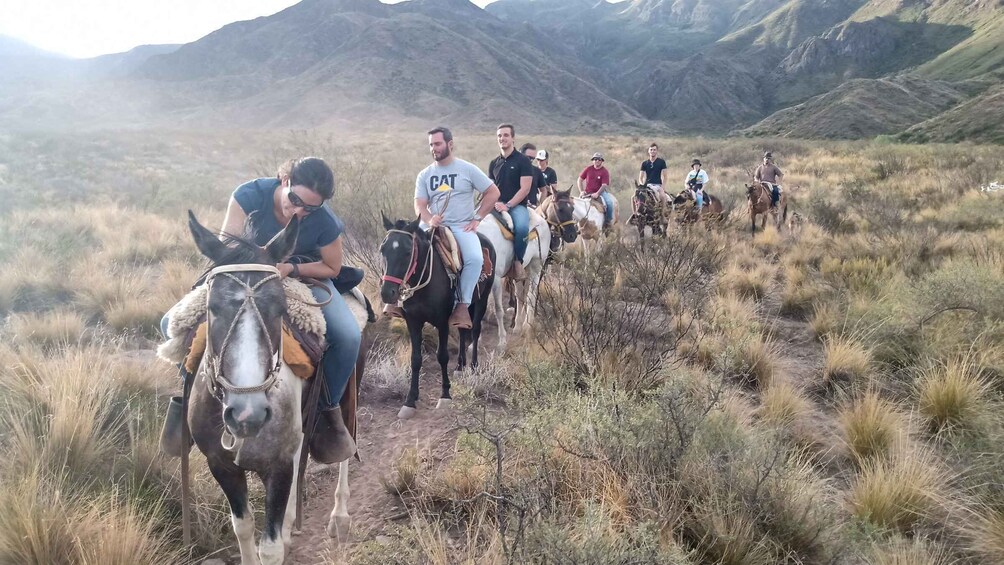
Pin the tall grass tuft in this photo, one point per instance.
(847, 362)
(900, 492)
(871, 427)
(953, 395)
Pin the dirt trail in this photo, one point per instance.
(382, 440)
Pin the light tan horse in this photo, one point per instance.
(758, 203)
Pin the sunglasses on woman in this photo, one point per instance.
(298, 202)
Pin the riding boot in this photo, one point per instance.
(172, 443)
(331, 442)
(461, 317)
(393, 311)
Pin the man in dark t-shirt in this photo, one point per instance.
(530, 150)
(513, 174)
(550, 177)
(653, 172)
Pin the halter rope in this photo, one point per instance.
(406, 290)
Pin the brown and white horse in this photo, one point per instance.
(758, 198)
(245, 411)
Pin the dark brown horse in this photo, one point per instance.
(758, 200)
(650, 211)
(416, 273)
(712, 211)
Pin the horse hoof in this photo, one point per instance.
(444, 404)
(339, 528)
(405, 413)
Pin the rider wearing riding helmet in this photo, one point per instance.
(696, 179)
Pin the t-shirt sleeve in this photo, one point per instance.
(584, 173)
(250, 196)
(491, 171)
(643, 165)
(758, 174)
(330, 231)
(479, 179)
(777, 171)
(606, 177)
(554, 177)
(421, 190)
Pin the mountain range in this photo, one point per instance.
(921, 70)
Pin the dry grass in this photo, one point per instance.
(54, 328)
(901, 491)
(783, 405)
(824, 321)
(753, 282)
(986, 535)
(404, 474)
(847, 361)
(914, 551)
(871, 427)
(953, 395)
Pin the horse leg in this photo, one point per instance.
(415, 332)
(499, 312)
(462, 353)
(290, 517)
(479, 314)
(530, 303)
(234, 483)
(443, 356)
(277, 495)
(340, 523)
(753, 221)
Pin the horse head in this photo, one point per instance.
(400, 252)
(564, 212)
(682, 197)
(246, 304)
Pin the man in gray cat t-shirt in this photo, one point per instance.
(444, 196)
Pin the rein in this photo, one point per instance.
(215, 379)
(407, 290)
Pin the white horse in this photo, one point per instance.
(537, 252)
(590, 221)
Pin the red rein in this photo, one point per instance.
(411, 268)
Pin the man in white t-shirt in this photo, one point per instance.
(697, 179)
(444, 196)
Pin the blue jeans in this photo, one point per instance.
(608, 201)
(344, 338)
(520, 230)
(775, 194)
(470, 250)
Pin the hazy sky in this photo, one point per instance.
(85, 28)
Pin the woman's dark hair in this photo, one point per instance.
(311, 172)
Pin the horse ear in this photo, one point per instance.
(387, 224)
(413, 226)
(207, 242)
(281, 246)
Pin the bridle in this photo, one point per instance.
(215, 379)
(406, 290)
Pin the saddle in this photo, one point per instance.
(598, 204)
(504, 221)
(446, 245)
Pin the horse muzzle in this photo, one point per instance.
(390, 292)
(569, 234)
(244, 418)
